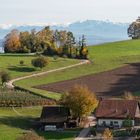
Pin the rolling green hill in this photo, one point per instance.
(104, 57)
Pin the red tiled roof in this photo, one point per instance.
(117, 109)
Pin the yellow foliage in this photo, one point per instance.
(107, 135)
(80, 100)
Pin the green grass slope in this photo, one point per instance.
(105, 57)
(10, 63)
(13, 125)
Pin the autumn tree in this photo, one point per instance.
(5, 77)
(80, 100)
(30, 136)
(134, 29)
(46, 36)
(56, 38)
(40, 62)
(25, 42)
(107, 135)
(12, 42)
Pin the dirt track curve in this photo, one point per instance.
(10, 84)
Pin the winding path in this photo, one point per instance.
(10, 84)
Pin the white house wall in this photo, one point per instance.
(108, 121)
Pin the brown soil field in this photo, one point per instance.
(106, 84)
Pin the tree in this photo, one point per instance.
(46, 36)
(107, 135)
(5, 77)
(40, 62)
(134, 29)
(12, 42)
(30, 136)
(80, 100)
(56, 37)
(70, 42)
(63, 38)
(83, 51)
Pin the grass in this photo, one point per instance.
(13, 126)
(11, 64)
(104, 57)
(59, 135)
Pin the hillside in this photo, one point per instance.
(104, 57)
(96, 31)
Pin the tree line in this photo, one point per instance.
(47, 41)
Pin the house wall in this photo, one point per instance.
(108, 122)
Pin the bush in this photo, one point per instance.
(93, 131)
(30, 136)
(107, 135)
(21, 62)
(40, 62)
(5, 77)
(127, 123)
(55, 57)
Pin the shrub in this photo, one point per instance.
(127, 123)
(21, 62)
(55, 57)
(5, 77)
(40, 62)
(93, 131)
(107, 135)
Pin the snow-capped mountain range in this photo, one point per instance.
(95, 31)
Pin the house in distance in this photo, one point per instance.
(112, 113)
(55, 118)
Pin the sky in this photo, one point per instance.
(18, 12)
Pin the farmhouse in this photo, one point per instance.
(54, 117)
(112, 113)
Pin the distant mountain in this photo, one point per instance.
(1, 44)
(95, 31)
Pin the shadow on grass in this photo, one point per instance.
(17, 122)
(26, 123)
(63, 135)
(21, 69)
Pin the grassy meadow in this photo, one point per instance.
(104, 57)
(13, 125)
(10, 63)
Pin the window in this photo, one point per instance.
(111, 123)
(115, 122)
(104, 123)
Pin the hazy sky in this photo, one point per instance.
(65, 11)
